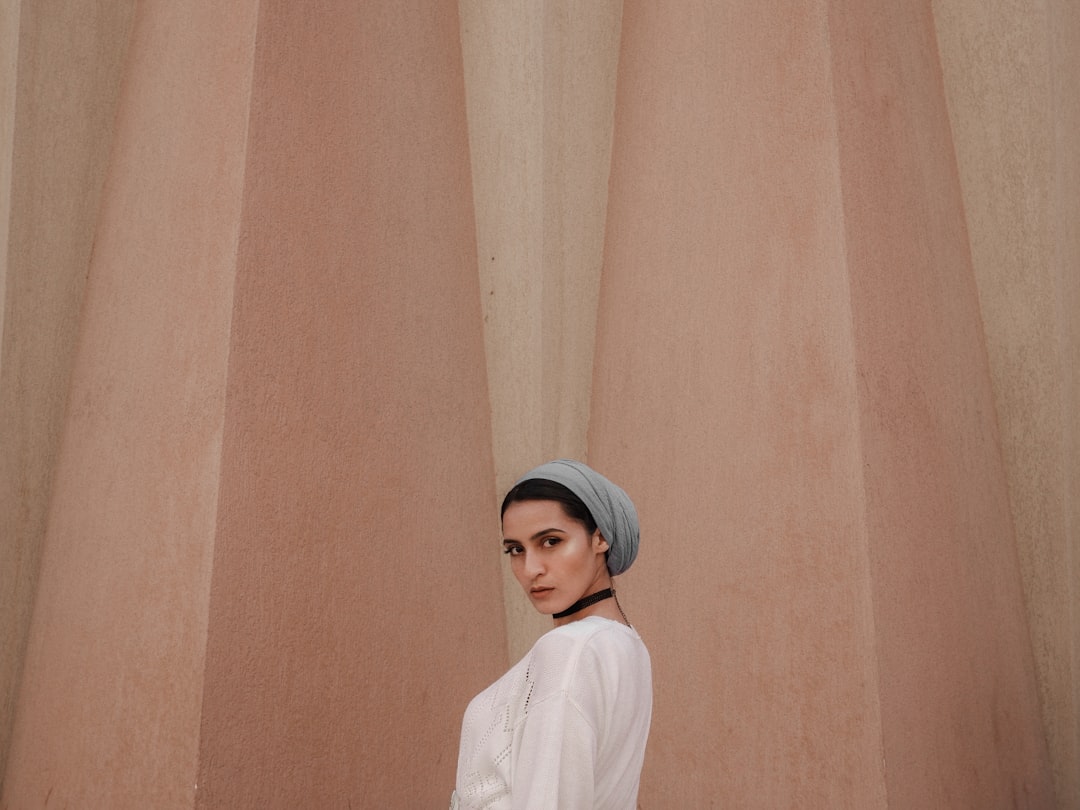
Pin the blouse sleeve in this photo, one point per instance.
(555, 761)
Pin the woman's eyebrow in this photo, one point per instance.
(537, 536)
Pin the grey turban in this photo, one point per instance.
(609, 506)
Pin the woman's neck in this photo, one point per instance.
(607, 608)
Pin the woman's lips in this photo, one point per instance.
(540, 593)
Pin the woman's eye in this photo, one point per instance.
(513, 551)
(551, 541)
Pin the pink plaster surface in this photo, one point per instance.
(108, 714)
(269, 577)
(58, 155)
(725, 399)
(356, 604)
(959, 707)
(790, 381)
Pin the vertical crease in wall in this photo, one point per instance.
(860, 427)
(205, 624)
(540, 86)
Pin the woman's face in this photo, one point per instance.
(554, 557)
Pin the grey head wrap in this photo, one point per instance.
(608, 504)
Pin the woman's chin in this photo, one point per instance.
(545, 601)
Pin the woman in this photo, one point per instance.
(565, 728)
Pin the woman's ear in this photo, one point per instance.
(599, 543)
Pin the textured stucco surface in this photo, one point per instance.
(108, 712)
(958, 692)
(1065, 47)
(725, 399)
(1003, 73)
(9, 47)
(822, 480)
(57, 131)
(345, 280)
(356, 604)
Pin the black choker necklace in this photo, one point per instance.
(583, 603)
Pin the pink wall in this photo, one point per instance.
(108, 713)
(269, 575)
(729, 410)
(959, 704)
(57, 156)
(1014, 114)
(356, 602)
(831, 588)
(281, 320)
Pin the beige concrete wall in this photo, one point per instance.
(1008, 88)
(108, 711)
(356, 603)
(540, 92)
(57, 131)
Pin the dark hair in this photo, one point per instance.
(540, 489)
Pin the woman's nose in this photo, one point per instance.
(534, 564)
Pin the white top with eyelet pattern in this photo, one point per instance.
(564, 729)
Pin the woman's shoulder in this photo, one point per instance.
(589, 629)
(591, 636)
(590, 661)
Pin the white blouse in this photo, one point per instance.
(564, 729)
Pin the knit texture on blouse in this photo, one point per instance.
(565, 728)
